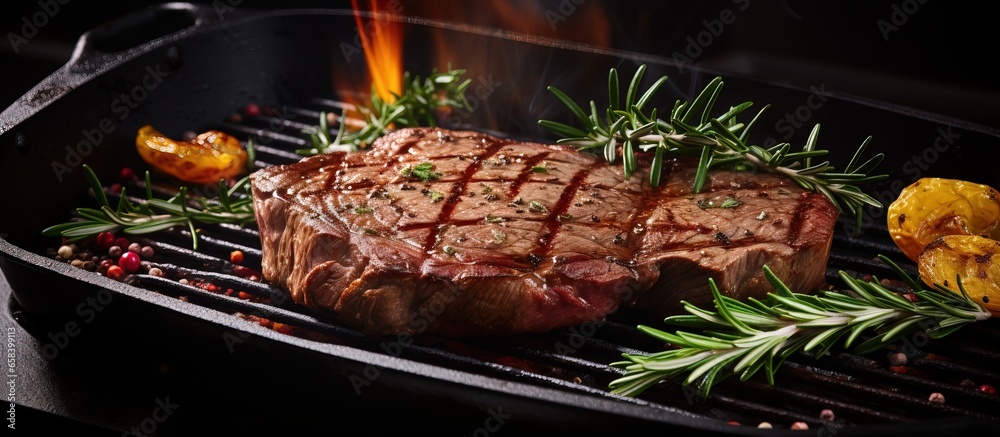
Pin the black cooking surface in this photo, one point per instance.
(116, 377)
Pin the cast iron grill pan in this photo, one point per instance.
(568, 366)
(861, 389)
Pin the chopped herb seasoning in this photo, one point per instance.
(540, 169)
(499, 236)
(729, 202)
(362, 210)
(565, 216)
(435, 196)
(536, 206)
(494, 219)
(422, 171)
(449, 250)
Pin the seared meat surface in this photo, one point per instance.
(458, 233)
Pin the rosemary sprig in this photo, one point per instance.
(155, 215)
(415, 107)
(741, 338)
(722, 140)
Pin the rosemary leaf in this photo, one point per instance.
(613, 89)
(633, 86)
(87, 229)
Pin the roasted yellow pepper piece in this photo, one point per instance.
(934, 207)
(206, 159)
(975, 259)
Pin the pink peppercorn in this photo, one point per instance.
(105, 240)
(252, 109)
(897, 359)
(115, 272)
(127, 175)
(129, 262)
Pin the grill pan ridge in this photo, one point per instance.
(546, 382)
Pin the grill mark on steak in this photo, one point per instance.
(530, 163)
(453, 198)
(330, 181)
(795, 225)
(553, 223)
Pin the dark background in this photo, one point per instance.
(936, 58)
(930, 55)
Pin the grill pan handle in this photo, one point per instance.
(115, 43)
(139, 29)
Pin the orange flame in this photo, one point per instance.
(382, 43)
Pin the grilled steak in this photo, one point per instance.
(458, 233)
